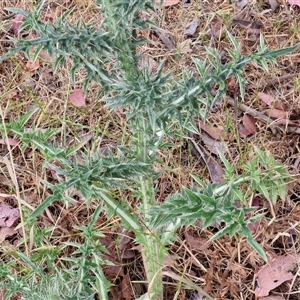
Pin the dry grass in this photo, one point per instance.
(226, 268)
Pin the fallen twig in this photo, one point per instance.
(252, 112)
(262, 117)
(266, 83)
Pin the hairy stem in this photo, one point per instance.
(152, 248)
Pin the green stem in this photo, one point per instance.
(153, 250)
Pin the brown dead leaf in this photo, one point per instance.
(241, 4)
(170, 261)
(243, 132)
(213, 145)
(11, 94)
(126, 288)
(215, 170)
(111, 272)
(216, 26)
(4, 181)
(249, 123)
(274, 274)
(196, 243)
(149, 63)
(30, 196)
(272, 298)
(269, 100)
(167, 3)
(274, 4)
(232, 86)
(253, 226)
(2, 294)
(216, 133)
(256, 202)
(10, 141)
(77, 98)
(8, 215)
(210, 275)
(185, 46)
(192, 27)
(17, 24)
(6, 232)
(293, 2)
(32, 66)
(276, 113)
(126, 244)
(105, 149)
(45, 56)
(48, 18)
(165, 38)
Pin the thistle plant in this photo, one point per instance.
(156, 107)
